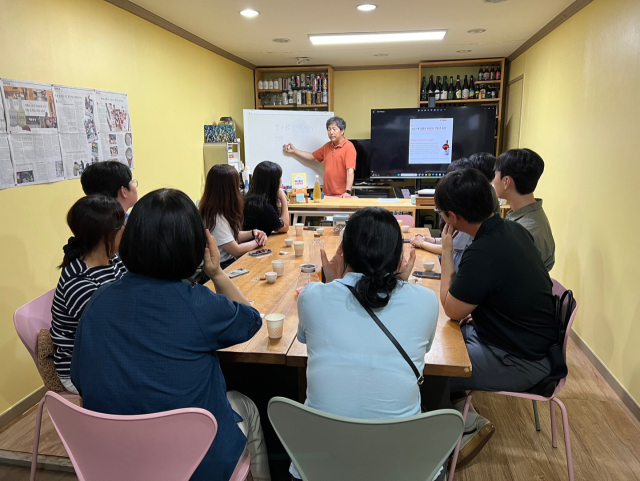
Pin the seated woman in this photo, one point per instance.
(89, 262)
(261, 202)
(148, 342)
(221, 211)
(353, 368)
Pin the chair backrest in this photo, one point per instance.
(406, 219)
(558, 289)
(30, 319)
(324, 446)
(102, 447)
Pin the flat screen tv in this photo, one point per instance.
(418, 143)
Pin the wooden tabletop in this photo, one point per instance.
(448, 355)
(353, 204)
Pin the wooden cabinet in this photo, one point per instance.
(453, 68)
(273, 73)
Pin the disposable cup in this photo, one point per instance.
(298, 247)
(278, 267)
(320, 230)
(427, 266)
(275, 324)
(299, 228)
(288, 242)
(271, 277)
(405, 228)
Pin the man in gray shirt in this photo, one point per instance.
(517, 175)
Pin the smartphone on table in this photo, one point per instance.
(260, 252)
(237, 272)
(427, 275)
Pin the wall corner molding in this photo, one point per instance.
(17, 410)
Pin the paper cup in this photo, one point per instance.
(278, 267)
(320, 230)
(405, 228)
(427, 266)
(271, 276)
(288, 242)
(299, 228)
(298, 247)
(275, 324)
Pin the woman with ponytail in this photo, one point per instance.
(353, 368)
(90, 260)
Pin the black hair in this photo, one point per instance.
(92, 219)
(106, 178)
(466, 193)
(165, 236)
(459, 164)
(372, 246)
(264, 187)
(524, 166)
(484, 162)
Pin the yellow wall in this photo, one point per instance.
(580, 111)
(359, 91)
(174, 88)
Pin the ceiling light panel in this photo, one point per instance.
(248, 12)
(366, 7)
(382, 37)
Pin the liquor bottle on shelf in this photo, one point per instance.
(423, 90)
(498, 74)
(444, 93)
(430, 87)
(451, 93)
(458, 88)
(438, 88)
(465, 88)
(492, 74)
(472, 89)
(480, 73)
(290, 95)
(483, 92)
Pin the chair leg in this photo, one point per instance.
(552, 412)
(456, 451)
(36, 440)
(535, 415)
(567, 434)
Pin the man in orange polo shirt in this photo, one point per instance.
(338, 156)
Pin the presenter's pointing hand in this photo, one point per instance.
(289, 148)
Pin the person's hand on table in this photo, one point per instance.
(417, 240)
(260, 237)
(212, 257)
(448, 234)
(406, 266)
(334, 268)
(345, 195)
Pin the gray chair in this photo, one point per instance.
(324, 446)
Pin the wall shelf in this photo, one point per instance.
(270, 73)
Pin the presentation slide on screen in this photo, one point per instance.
(430, 141)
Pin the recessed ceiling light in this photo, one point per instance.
(463, 51)
(248, 12)
(476, 30)
(302, 60)
(281, 40)
(381, 55)
(366, 7)
(494, 1)
(341, 38)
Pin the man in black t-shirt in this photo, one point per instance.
(503, 284)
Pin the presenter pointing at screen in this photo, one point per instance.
(338, 156)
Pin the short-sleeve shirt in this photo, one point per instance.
(146, 345)
(502, 273)
(223, 234)
(533, 218)
(77, 284)
(267, 220)
(336, 160)
(353, 369)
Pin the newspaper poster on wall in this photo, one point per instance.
(3, 122)
(77, 128)
(36, 158)
(117, 146)
(113, 112)
(29, 107)
(7, 176)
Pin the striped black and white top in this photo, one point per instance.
(76, 285)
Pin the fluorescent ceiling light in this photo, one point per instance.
(366, 7)
(249, 13)
(341, 38)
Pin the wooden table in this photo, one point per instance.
(448, 355)
(330, 206)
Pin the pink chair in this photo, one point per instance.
(168, 445)
(29, 320)
(406, 219)
(540, 394)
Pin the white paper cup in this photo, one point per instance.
(271, 276)
(298, 247)
(427, 266)
(278, 267)
(405, 228)
(320, 230)
(288, 242)
(299, 228)
(275, 324)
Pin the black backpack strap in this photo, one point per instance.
(419, 377)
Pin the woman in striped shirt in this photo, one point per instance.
(90, 260)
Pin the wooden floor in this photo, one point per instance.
(604, 435)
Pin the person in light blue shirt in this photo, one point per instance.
(353, 368)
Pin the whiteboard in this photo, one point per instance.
(267, 131)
